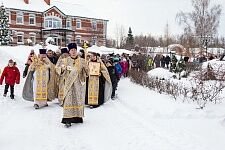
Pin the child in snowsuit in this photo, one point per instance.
(11, 75)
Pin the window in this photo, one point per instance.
(20, 38)
(94, 25)
(32, 19)
(68, 39)
(78, 39)
(94, 40)
(33, 37)
(19, 18)
(78, 24)
(53, 23)
(68, 23)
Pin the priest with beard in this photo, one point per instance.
(36, 84)
(52, 84)
(98, 86)
(75, 71)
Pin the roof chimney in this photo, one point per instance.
(26, 1)
(47, 2)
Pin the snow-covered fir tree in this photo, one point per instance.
(173, 63)
(177, 66)
(4, 27)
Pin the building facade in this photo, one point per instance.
(36, 26)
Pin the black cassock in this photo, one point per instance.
(101, 96)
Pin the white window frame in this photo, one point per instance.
(95, 38)
(69, 21)
(78, 37)
(69, 37)
(51, 19)
(78, 21)
(21, 15)
(32, 35)
(94, 25)
(32, 16)
(20, 34)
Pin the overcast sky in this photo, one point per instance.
(143, 16)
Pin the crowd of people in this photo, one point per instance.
(75, 78)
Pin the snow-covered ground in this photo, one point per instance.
(139, 119)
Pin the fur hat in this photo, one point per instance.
(42, 51)
(64, 50)
(72, 45)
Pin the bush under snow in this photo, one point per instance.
(160, 73)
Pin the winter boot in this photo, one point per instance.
(36, 106)
(67, 125)
(4, 95)
(12, 96)
(80, 120)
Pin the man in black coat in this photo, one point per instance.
(51, 57)
(167, 61)
(113, 77)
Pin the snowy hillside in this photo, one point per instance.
(139, 119)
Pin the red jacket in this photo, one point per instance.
(11, 75)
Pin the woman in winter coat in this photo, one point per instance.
(157, 60)
(11, 75)
(125, 66)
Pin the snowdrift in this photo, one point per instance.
(160, 73)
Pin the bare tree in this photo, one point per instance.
(202, 20)
(110, 42)
(120, 35)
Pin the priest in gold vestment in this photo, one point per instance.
(61, 78)
(74, 70)
(36, 84)
(99, 86)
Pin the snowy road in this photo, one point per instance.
(138, 119)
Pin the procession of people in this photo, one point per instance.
(77, 79)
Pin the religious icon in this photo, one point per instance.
(94, 68)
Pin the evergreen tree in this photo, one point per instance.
(4, 27)
(130, 40)
(178, 66)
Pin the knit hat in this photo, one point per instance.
(11, 61)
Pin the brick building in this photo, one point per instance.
(36, 20)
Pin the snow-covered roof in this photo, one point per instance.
(209, 50)
(41, 6)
